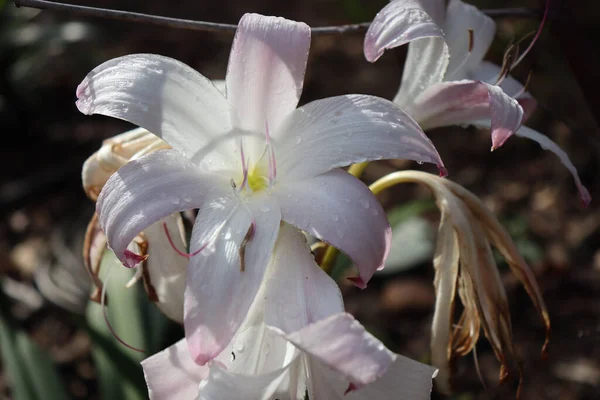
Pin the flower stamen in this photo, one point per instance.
(181, 253)
(535, 38)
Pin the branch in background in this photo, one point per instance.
(218, 27)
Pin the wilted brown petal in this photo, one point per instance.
(504, 244)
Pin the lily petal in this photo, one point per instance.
(343, 130)
(348, 216)
(547, 144)
(405, 379)
(445, 263)
(148, 189)
(460, 17)
(462, 102)
(405, 21)
(298, 292)
(224, 385)
(266, 69)
(218, 299)
(158, 93)
(489, 72)
(172, 374)
(344, 345)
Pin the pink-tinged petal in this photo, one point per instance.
(463, 102)
(343, 344)
(418, 23)
(460, 17)
(343, 130)
(172, 374)
(148, 189)
(548, 144)
(223, 279)
(266, 69)
(489, 72)
(161, 94)
(398, 23)
(404, 379)
(339, 209)
(298, 292)
(506, 115)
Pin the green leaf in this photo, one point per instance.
(31, 371)
(137, 322)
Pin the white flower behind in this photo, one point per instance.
(445, 80)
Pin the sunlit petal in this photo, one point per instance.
(341, 210)
(266, 69)
(172, 374)
(339, 131)
(147, 190)
(224, 278)
(163, 95)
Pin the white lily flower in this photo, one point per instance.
(246, 161)
(296, 340)
(445, 80)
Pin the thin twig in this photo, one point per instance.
(218, 27)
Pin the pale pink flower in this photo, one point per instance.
(295, 340)
(246, 160)
(445, 80)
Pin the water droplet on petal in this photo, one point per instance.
(335, 217)
(365, 203)
(187, 198)
(174, 200)
(298, 139)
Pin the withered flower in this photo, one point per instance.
(163, 274)
(464, 264)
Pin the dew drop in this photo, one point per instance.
(375, 212)
(186, 198)
(239, 347)
(335, 217)
(174, 200)
(365, 203)
(265, 208)
(298, 139)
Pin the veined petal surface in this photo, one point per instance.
(160, 94)
(343, 130)
(463, 102)
(410, 21)
(172, 374)
(297, 291)
(339, 209)
(224, 278)
(460, 17)
(266, 69)
(148, 189)
(344, 345)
